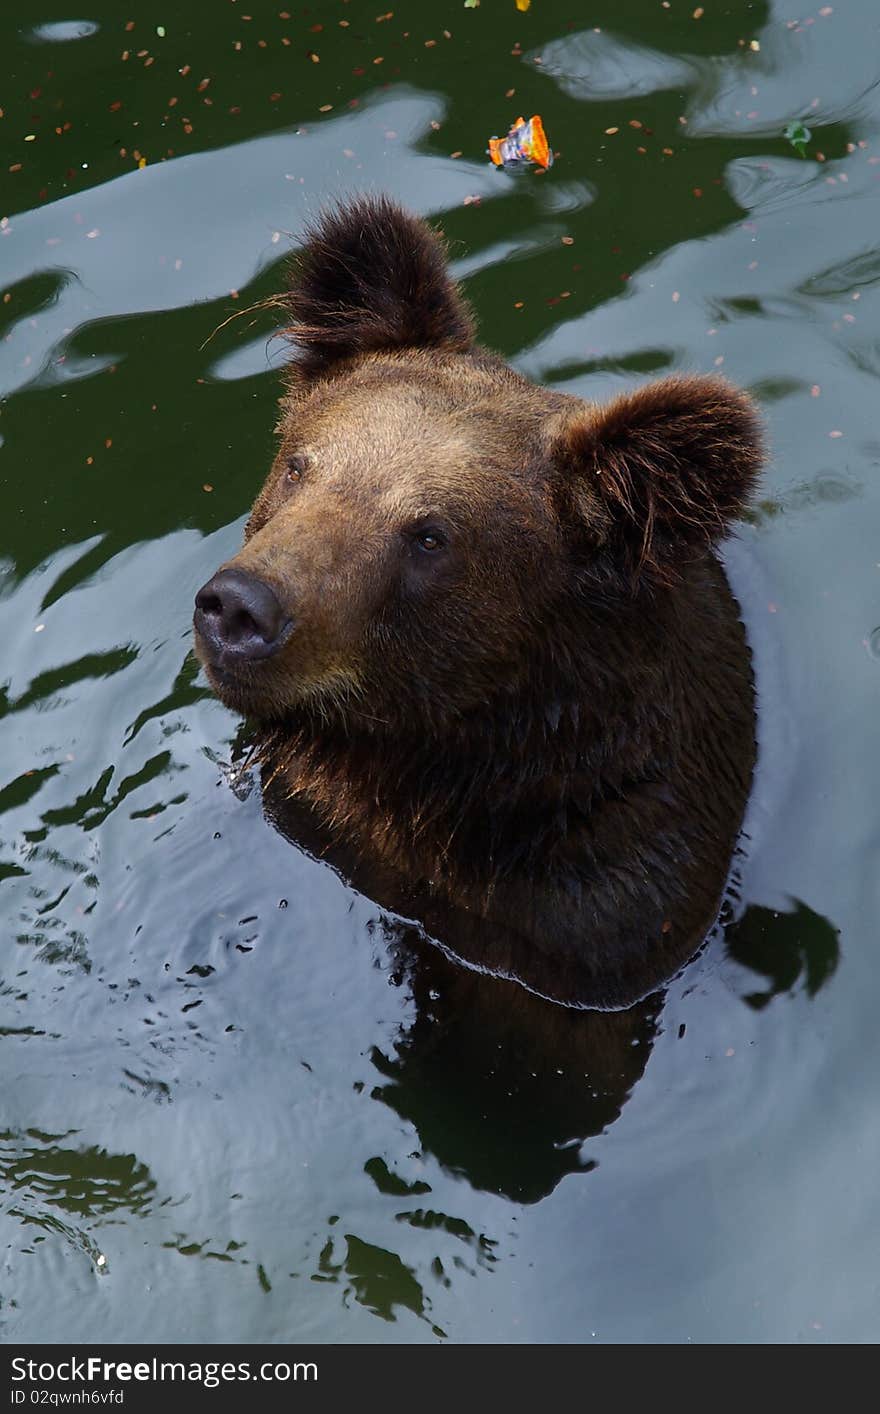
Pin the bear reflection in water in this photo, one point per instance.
(502, 1085)
(495, 666)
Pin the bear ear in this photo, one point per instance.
(371, 277)
(658, 474)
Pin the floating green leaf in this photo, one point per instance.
(798, 135)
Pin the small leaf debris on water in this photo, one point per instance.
(525, 142)
(471, 4)
(798, 135)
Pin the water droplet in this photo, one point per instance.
(874, 643)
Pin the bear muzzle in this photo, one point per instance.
(238, 619)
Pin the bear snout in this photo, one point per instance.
(238, 616)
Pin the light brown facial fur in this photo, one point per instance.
(402, 502)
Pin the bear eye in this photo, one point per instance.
(430, 541)
(296, 466)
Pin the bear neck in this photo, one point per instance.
(604, 718)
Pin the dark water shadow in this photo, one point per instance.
(375, 1278)
(785, 946)
(46, 1174)
(55, 1189)
(504, 1087)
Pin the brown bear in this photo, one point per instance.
(481, 626)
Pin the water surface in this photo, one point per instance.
(227, 1113)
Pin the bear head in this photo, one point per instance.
(432, 518)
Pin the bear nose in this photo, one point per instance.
(238, 613)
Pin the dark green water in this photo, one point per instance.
(222, 1116)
